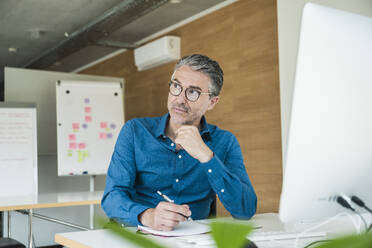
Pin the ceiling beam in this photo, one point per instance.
(122, 14)
(115, 44)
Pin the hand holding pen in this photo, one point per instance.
(165, 216)
(165, 197)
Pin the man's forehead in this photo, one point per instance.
(188, 77)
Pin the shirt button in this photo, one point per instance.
(177, 180)
(179, 156)
(222, 190)
(172, 144)
(210, 170)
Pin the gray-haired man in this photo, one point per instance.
(180, 155)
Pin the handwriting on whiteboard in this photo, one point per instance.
(16, 136)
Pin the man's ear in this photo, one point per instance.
(212, 102)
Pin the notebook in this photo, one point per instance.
(184, 228)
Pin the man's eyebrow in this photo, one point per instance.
(191, 86)
(195, 87)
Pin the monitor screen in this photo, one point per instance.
(330, 134)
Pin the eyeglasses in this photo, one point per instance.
(192, 94)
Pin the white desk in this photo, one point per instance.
(268, 222)
(50, 200)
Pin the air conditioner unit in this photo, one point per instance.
(158, 52)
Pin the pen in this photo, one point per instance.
(165, 197)
(169, 200)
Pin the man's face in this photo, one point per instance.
(183, 111)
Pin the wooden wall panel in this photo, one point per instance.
(242, 37)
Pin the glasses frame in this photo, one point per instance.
(192, 88)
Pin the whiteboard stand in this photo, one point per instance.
(91, 212)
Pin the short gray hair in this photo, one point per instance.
(211, 68)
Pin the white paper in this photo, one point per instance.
(182, 229)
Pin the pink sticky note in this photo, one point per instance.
(103, 124)
(87, 109)
(75, 125)
(102, 135)
(72, 145)
(88, 118)
(81, 146)
(72, 137)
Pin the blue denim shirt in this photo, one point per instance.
(146, 160)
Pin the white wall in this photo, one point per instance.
(289, 20)
(23, 85)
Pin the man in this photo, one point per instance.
(180, 155)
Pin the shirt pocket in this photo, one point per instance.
(154, 171)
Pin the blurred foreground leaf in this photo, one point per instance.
(138, 239)
(230, 234)
(351, 241)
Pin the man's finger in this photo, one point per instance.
(176, 208)
(169, 222)
(169, 215)
(184, 129)
(166, 228)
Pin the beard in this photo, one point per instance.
(187, 122)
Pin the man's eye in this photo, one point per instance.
(176, 85)
(192, 91)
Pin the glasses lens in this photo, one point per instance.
(192, 94)
(175, 88)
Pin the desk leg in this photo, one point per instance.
(8, 223)
(30, 244)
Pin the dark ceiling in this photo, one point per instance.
(66, 35)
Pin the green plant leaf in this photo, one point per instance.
(230, 234)
(138, 239)
(351, 241)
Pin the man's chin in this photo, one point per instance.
(181, 119)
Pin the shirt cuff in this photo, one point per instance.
(215, 171)
(135, 212)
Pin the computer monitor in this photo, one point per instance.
(330, 134)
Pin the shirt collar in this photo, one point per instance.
(160, 129)
(205, 129)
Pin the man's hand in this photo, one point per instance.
(189, 138)
(165, 216)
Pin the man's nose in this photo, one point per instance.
(181, 98)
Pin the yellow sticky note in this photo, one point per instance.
(80, 156)
(86, 154)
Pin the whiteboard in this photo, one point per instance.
(89, 118)
(18, 149)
